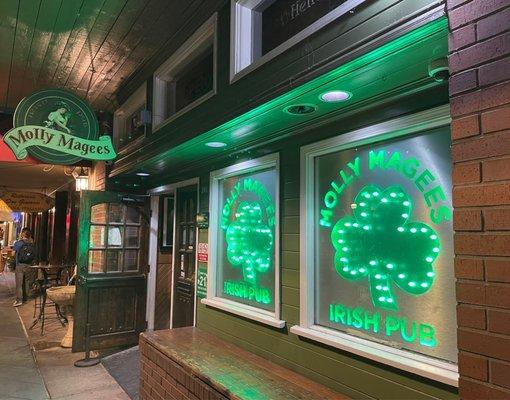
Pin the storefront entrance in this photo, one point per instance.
(172, 260)
(183, 311)
(111, 273)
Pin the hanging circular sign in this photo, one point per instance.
(57, 127)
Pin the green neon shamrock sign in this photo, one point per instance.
(249, 241)
(379, 241)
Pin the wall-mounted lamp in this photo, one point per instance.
(82, 180)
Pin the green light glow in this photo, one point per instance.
(249, 242)
(247, 292)
(390, 325)
(393, 248)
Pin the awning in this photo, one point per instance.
(25, 202)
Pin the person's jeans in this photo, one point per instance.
(21, 281)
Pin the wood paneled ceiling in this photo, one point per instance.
(87, 46)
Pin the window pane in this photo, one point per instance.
(130, 260)
(132, 236)
(195, 81)
(97, 236)
(246, 239)
(133, 127)
(384, 243)
(132, 215)
(113, 260)
(96, 261)
(116, 213)
(98, 213)
(115, 236)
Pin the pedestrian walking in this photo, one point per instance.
(26, 255)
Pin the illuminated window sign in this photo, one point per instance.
(379, 247)
(244, 240)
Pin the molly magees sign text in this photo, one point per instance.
(19, 139)
(57, 127)
(382, 243)
(250, 239)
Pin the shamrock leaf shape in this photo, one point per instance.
(249, 241)
(379, 241)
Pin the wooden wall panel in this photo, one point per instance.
(163, 291)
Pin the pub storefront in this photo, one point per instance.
(298, 162)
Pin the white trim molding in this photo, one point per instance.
(419, 364)
(213, 300)
(203, 38)
(246, 34)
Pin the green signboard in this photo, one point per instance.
(202, 282)
(384, 243)
(57, 127)
(247, 245)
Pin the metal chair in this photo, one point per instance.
(41, 302)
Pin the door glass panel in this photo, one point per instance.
(98, 213)
(116, 213)
(132, 215)
(130, 260)
(132, 237)
(115, 236)
(96, 261)
(97, 236)
(113, 261)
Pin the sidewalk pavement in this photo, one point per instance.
(55, 364)
(19, 376)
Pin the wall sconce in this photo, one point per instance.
(82, 180)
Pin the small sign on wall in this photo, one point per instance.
(203, 252)
(202, 282)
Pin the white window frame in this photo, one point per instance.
(202, 38)
(243, 310)
(416, 363)
(135, 101)
(245, 40)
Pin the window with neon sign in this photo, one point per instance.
(378, 247)
(244, 239)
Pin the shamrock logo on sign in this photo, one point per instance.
(249, 241)
(379, 241)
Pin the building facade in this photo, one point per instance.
(348, 162)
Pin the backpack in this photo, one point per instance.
(27, 253)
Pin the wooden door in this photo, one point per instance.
(184, 257)
(112, 269)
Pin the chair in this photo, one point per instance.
(49, 278)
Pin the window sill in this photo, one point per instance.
(244, 311)
(437, 370)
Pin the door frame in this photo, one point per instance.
(155, 194)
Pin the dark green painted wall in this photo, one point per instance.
(352, 375)
(373, 23)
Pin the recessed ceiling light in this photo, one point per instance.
(335, 96)
(142, 174)
(216, 144)
(300, 109)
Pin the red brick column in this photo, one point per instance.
(480, 105)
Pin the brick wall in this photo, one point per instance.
(163, 379)
(480, 105)
(97, 176)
